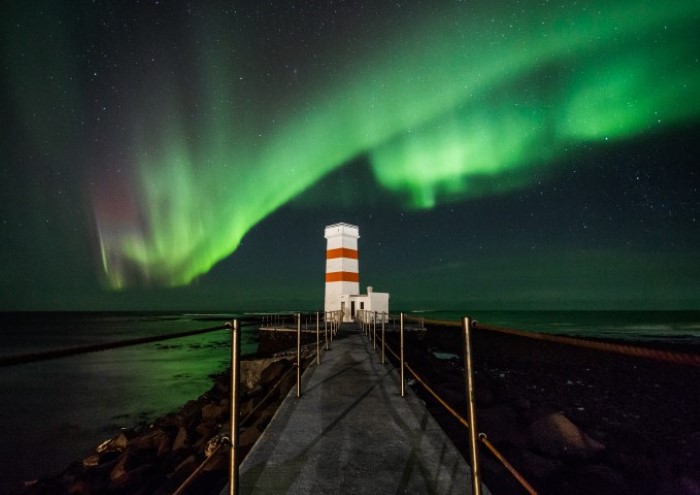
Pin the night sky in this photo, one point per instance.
(496, 155)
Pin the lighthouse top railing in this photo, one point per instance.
(342, 224)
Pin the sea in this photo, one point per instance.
(54, 412)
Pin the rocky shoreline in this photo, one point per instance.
(571, 420)
(157, 457)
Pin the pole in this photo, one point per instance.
(383, 338)
(235, 380)
(403, 382)
(473, 445)
(318, 340)
(298, 355)
(374, 331)
(325, 329)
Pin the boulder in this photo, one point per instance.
(81, 487)
(207, 430)
(213, 412)
(500, 423)
(165, 446)
(536, 466)
(682, 485)
(273, 372)
(117, 443)
(127, 461)
(151, 440)
(219, 462)
(182, 439)
(596, 478)
(249, 436)
(555, 436)
(185, 468)
(191, 412)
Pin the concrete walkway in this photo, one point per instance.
(352, 432)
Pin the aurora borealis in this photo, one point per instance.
(149, 145)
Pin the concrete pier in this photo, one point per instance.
(352, 432)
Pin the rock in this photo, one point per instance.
(171, 420)
(453, 397)
(207, 430)
(555, 436)
(165, 446)
(191, 413)
(150, 440)
(185, 468)
(126, 462)
(91, 460)
(131, 478)
(182, 439)
(597, 478)
(522, 404)
(246, 407)
(249, 436)
(81, 487)
(683, 485)
(273, 372)
(117, 443)
(537, 466)
(500, 423)
(219, 462)
(213, 412)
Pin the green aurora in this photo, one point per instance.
(468, 103)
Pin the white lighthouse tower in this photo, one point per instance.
(342, 264)
(343, 274)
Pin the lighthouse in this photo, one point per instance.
(343, 274)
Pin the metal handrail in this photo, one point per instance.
(683, 358)
(475, 472)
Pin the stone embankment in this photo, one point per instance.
(156, 458)
(571, 420)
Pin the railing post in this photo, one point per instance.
(473, 445)
(325, 328)
(403, 382)
(298, 355)
(235, 380)
(318, 340)
(383, 339)
(374, 331)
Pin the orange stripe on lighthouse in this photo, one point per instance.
(341, 253)
(342, 277)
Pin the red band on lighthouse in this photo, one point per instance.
(341, 253)
(342, 277)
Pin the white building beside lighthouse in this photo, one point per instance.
(343, 275)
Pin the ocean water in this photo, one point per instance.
(666, 327)
(54, 412)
